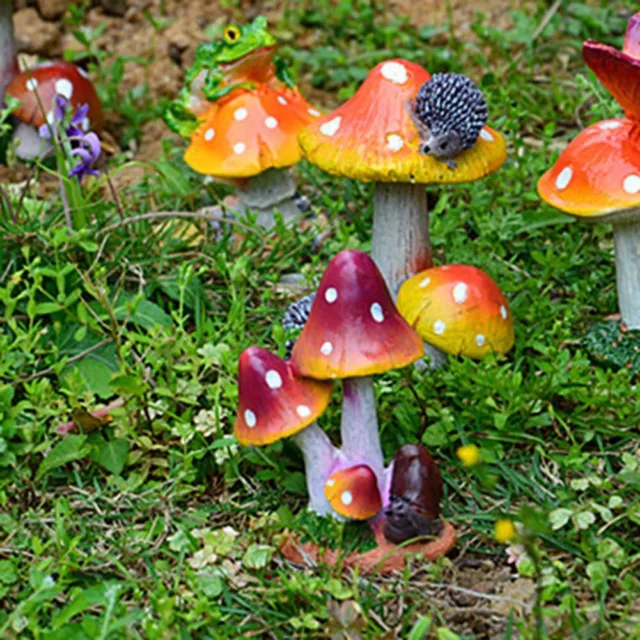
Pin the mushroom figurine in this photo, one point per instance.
(458, 309)
(8, 59)
(37, 89)
(353, 492)
(597, 177)
(375, 136)
(275, 403)
(354, 331)
(242, 116)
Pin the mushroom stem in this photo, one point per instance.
(627, 247)
(8, 60)
(359, 427)
(320, 457)
(268, 192)
(400, 245)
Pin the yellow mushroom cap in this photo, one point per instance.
(459, 309)
(372, 136)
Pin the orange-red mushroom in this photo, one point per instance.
(353, 492)
(372, 137)
(459, 309)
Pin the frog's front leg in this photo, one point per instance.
(282, 72)
(213, 89)
(179, 117)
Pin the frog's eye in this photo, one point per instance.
(231, 33)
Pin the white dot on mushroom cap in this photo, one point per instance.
(376, 312)
(394, 142)
(330, 482)
(631, 184)
(250, 418)
(346, 498)
(239, 147)
(64, 88)
(503, 311)
(479, 339)
(439, 327)
(282, 100)
(330, 128)
(51, 117)
(612, 124)
(82, 72)
(460, 292)
(485, 135)
(314, 112)
(210, 135)
(303, 411)
(331, 295)
(240, 114)
(31, 84)
(326, 349)
(425, 283)
(395, 72)
(273, 379)
(564, 178)
(271, 123)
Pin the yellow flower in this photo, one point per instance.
(505, 530)
(469, 455)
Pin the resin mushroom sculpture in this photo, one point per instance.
(37, 89)
(597, 177)
(458, 309)
(373, 137)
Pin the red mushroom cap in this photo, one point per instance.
(273, 403)
(353, 492)
(598, 175)
(354, 329)
(459, 309)
(48, 80)
(619, 71)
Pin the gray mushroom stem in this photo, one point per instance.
(359, 427)
(8, 61)
(627, 248)
(320, 459)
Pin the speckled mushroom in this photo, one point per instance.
(274, 403)
(37, 89)
(353, 492)
(8, 60)
(459, 309)
(597, 177)
(355, 331)
(373, 138)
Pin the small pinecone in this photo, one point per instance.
(296, 316)
(450, 101)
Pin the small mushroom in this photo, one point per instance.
(273, 403)
(373, 137)
(354, 331)
(416, 492)
(353, 492)
(37, 89)
(459, 309)
(8, 60)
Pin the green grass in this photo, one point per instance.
(156, 525)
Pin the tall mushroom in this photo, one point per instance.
(274, 403)
(372, 137)
(8, 60)
(458, 309)
(353, 332)
(597, 177)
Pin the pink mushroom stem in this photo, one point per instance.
(8, 60)
(359, 427)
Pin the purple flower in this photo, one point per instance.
(88, 152)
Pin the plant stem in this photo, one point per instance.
(320, 458)
(627, 247)
(8, 60)
(359, 427)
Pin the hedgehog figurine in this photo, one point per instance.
(449, 112)
(295, 318)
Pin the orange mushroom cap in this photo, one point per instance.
(372, 136)
(354, 329)
(598, 174)
(250, 131)
(353, 492)
(459, 309)
(273, 403)
(46, 81)
(619, 71)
